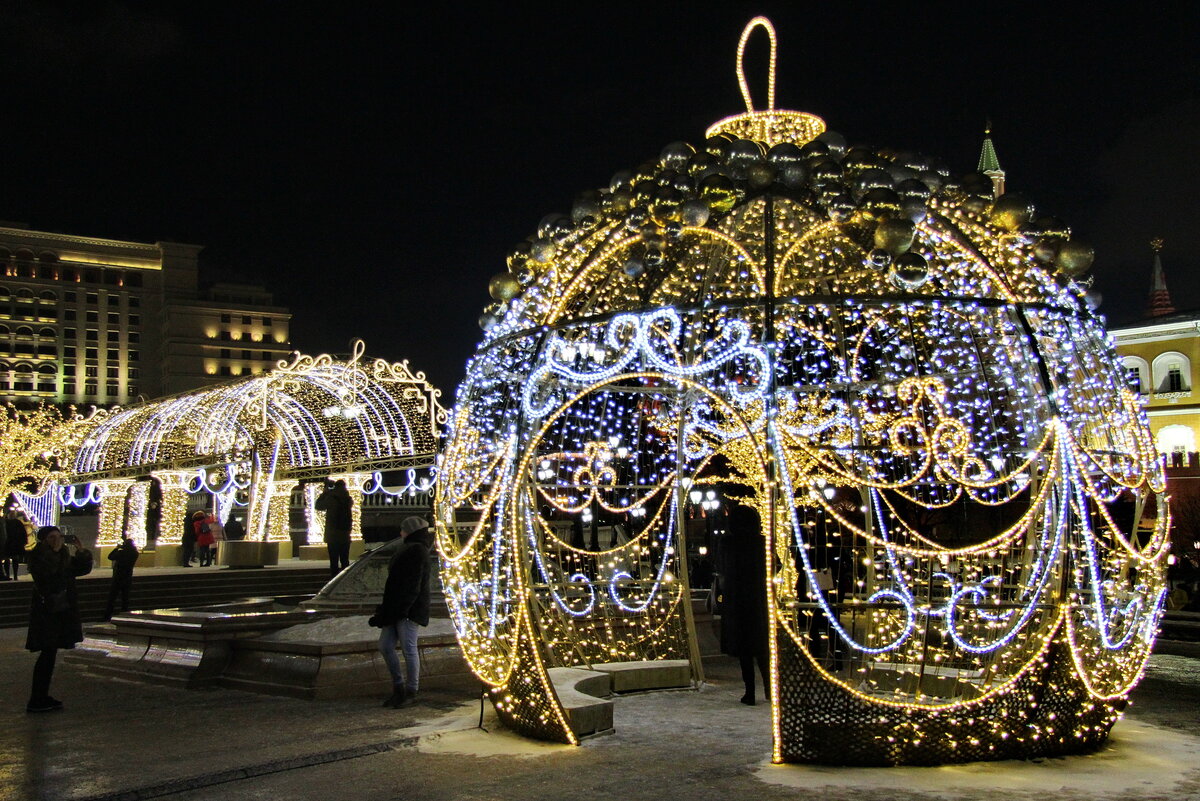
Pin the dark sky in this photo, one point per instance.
(373, 163)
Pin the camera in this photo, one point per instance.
(70, 539)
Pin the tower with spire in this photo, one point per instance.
(1160, 299)
(989, 165)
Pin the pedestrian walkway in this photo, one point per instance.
(118, 739)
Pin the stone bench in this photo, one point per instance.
(662, 674)
(585, 696)
(319, 553)
(250, 553)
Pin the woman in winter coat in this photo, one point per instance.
(54, 611)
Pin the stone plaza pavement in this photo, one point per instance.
(120, 740)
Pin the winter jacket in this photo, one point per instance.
(406, 593)
(123, 558)
(741, 561)
(338, 508)
(54, 610)
(204, 535)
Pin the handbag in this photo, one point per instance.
(54, 602)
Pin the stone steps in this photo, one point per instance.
(154, 590)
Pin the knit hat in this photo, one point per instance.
(413, 523)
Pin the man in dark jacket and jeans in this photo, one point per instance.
(404, 608)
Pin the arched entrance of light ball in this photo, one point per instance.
(585, 586)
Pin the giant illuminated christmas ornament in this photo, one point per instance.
(904, 372)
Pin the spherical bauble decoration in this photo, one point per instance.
(744, 152)
(1045, 249)
(784, 155)
(675, 156)
(719, 192)
(1053, 227)
(1074, 258)
(895, 235)
(518, 256)
(976, 183)
(760, 176)
(542, 250)
(586, 209)
(694, 212)
(524, 274)
(874, 178)
(910, 271)
(902, 379)
(1011, 211)
(879, 203)
(913, 188)
(879, 259)
(1093, 298)
(503, 286)
(834, 141)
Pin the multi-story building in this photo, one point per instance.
(1161, 354)
(101, 321)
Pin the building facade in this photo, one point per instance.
(1160, 355)
(101, 321)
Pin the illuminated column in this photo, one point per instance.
(175, 484)
(111, 493)
(279, 505)
(314, 518)
(135, 523)
(355, 483)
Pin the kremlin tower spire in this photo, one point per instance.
(1160, 298)
(989, 165)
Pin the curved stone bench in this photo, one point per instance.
(633, 677)
(586, 695)
(586, 698)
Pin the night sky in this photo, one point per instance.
(374, 163)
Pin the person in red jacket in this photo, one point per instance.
(204, 538)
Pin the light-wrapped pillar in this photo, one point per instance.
(111, 492)
(175, 489)
(279, 505)
(314, 518)
(135, 522)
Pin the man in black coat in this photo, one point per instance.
(742, 567)
(335, 501)
(404, 608)
(123, 558)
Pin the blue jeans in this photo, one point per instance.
(405, 633)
